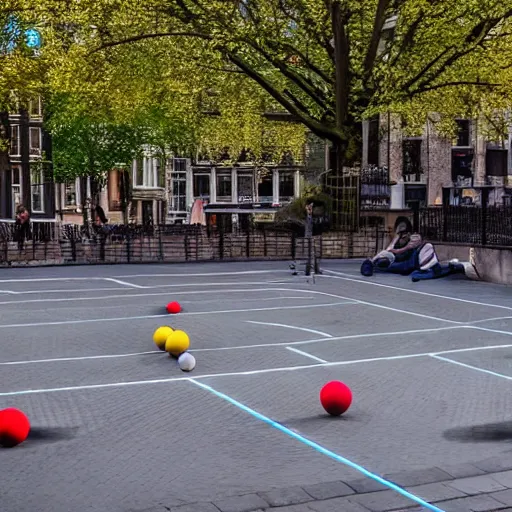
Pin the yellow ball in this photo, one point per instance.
(160, 336)
(177, 343)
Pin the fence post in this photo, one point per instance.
(248, 243)
(445, 223)
(128, 247)
(221, 241)
(187, 249)
(73, 247)
(160, 244)
(265, 249)
(484, 216)
(294, 245)
(102, 238)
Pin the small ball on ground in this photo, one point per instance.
(177, 343)
(160, 336)
(186, 362)
(173, 308)
(335, 398)
(14, 427)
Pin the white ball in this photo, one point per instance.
(186, 362)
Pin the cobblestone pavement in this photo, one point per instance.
(118, 428)
(484, 486)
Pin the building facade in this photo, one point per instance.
(153, 192)
(432, 169)
(27, 179)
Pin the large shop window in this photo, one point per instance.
(224, 186)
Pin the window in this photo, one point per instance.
(463, 135)
(35, 141)
(138, 172)
(411, 166)
(496, 162)
(70, 193)
(35, 109)
(286, 186)
(16, 187)
(245, 188)
(462, 164)
(179, 186)
(265, 188)
(36, 189)
(160, 173)
(202, 185)
(15, 140)
(224, 186)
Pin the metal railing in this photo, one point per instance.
(472, 225)
(118, 243)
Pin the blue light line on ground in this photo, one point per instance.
(317, 447)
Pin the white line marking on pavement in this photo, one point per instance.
(334, 338)
(156, 294)
(9, 292)
(187, 313)
(494, 319)
(251, 372)
(380, 306)
(202, 274)
(471, 367)
(312, 331)
(124, 283)
(488, 329)
(302, 353)
(243, 347)
(79, 358)
(428, 294)
(89, 278)
(316, 292)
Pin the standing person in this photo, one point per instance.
(22, 225)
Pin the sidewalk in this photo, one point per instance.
(480, 487)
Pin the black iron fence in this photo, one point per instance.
(78, 244)
(472, 225)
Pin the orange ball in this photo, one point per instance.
(335, 398)
(173, 308)
(14, 427)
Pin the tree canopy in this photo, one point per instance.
(328, 63)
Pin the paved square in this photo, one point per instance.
(117, 427)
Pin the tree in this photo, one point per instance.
(87, 143)
(187, 105)
(326, 62)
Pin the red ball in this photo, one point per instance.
(335, 398)
(14, 427)
(173, 308)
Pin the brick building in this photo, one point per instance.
(430, 166)
(27, 179)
